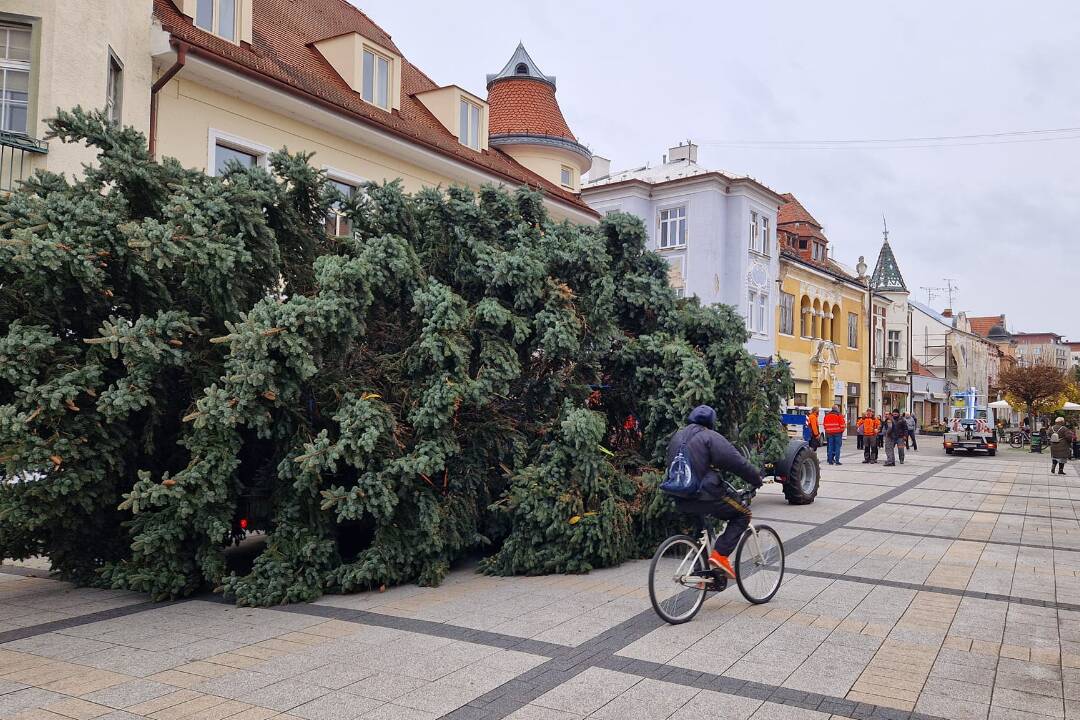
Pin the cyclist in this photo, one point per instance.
(710, 453)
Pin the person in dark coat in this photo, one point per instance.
(1060, 451)
(895, 432)
(710, 453)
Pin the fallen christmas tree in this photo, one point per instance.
(461, 375)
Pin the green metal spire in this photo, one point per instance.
(887, 275)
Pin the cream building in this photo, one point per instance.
(63, 53)
(213, 81)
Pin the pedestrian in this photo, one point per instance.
(1061, 437)
(834, 434)
(870, 426)
(895, 434)
(912, 428)
(858, 435)
(815, 429)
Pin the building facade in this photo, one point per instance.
(716, 230)
(214, 81)
(944, 344)
(820, 319)
(1042, 348)
(890, 335)
(59, 54)
(929, 396)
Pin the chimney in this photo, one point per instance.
(683, 151)
(947, 312)
(601, 168)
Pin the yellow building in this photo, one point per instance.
(213, 81)
(821, 318)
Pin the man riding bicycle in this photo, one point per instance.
(710, 453)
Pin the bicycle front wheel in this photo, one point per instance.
(1016, 440)
(678, 579)
(759, 564)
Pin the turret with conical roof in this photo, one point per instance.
(887, 277)
(525, 122)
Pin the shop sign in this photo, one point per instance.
(896, 387)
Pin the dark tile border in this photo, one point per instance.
(110, 614)
(935, 536)
(920, 587)
(988, 512)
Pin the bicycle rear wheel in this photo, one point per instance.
(678, 579)
(1016, 440)
(759, 564)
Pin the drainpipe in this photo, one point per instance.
(181, 58)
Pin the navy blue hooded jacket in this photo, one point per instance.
(710, 451)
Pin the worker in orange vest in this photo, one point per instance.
(815, 429)
(871, 426)
(834, 434)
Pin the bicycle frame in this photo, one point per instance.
(684, 573)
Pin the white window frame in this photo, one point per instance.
(766, 240)
(376, 56)
(757, 317)
(220, 137)
(853, 330)
(568, 172)
(22, 66)
(787, 311)
(469, 135)
(346, 178)
(754, 231)
(684, 218)
(889, 335)
(114, 92)
(215, 21)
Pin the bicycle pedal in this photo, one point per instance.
(720, 578)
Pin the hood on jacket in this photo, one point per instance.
(703, 415)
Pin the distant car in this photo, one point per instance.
(970, 435)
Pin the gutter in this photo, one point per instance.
(240, 69)
(181, 59)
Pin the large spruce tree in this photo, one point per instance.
(459, 375)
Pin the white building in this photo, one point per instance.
(716, 230)
(944, 345)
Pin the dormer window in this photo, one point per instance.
(566, 177)
(469, 124)
(521, 69)
(376, 87)
(218, 17)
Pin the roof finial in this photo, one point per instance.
(885, 225)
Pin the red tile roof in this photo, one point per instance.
(793, 211)
(525, 106)
(983, 325)
(282, 51)
(794, 223)
(918, 369)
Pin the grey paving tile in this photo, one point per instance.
(284, 695)
(336, 706)
(130, 693)
(13, 702)
(385, 686)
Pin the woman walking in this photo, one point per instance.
(1061, 438)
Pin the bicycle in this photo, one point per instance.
(680, 576)
(1019, 438)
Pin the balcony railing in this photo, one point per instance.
(16, 158)
(888, 362)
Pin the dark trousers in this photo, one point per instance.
(858, 442)
(738, 519)
(911, 437)
(869, 451)
(833, 449)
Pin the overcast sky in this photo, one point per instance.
(636, 77)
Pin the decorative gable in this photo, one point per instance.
(345, 53)
(458, 110)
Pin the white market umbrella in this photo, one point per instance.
(1004, 405)
(1071, 406)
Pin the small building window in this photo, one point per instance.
(766, 241)
(852, 330)
(469, 126)
(376, 88)
(893, 350)
(756, 302)
(14, 78)
(754, 232)
(787, 313)
(337, 224)
(114, 89)
(566, 176)
(672, 227)
(224, 154)
(521, 69)
(218, 17)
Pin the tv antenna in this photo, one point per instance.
(951, 289)
(931, 293)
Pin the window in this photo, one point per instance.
(787, 313)
(766, 241)
(806, 318)
(14, 77)
(218, 17)
(756, 302)
(754, 231)
(819, 252)
(566, 177)
(114, 88)
(893, 349)
(225, 148)
(376, 79)
(469, 125)
(337, 223)
(852, 330)
(672, 227)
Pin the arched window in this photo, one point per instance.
(806, 328)
(522, 69)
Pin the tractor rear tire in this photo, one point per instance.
(804, 478)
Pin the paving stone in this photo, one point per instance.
(284, 695)
(129, 693)
(336, 706)
(385, 686)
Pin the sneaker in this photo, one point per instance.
(889, 464)
(720, 562)
(838, 463)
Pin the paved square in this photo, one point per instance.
(948, 587)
